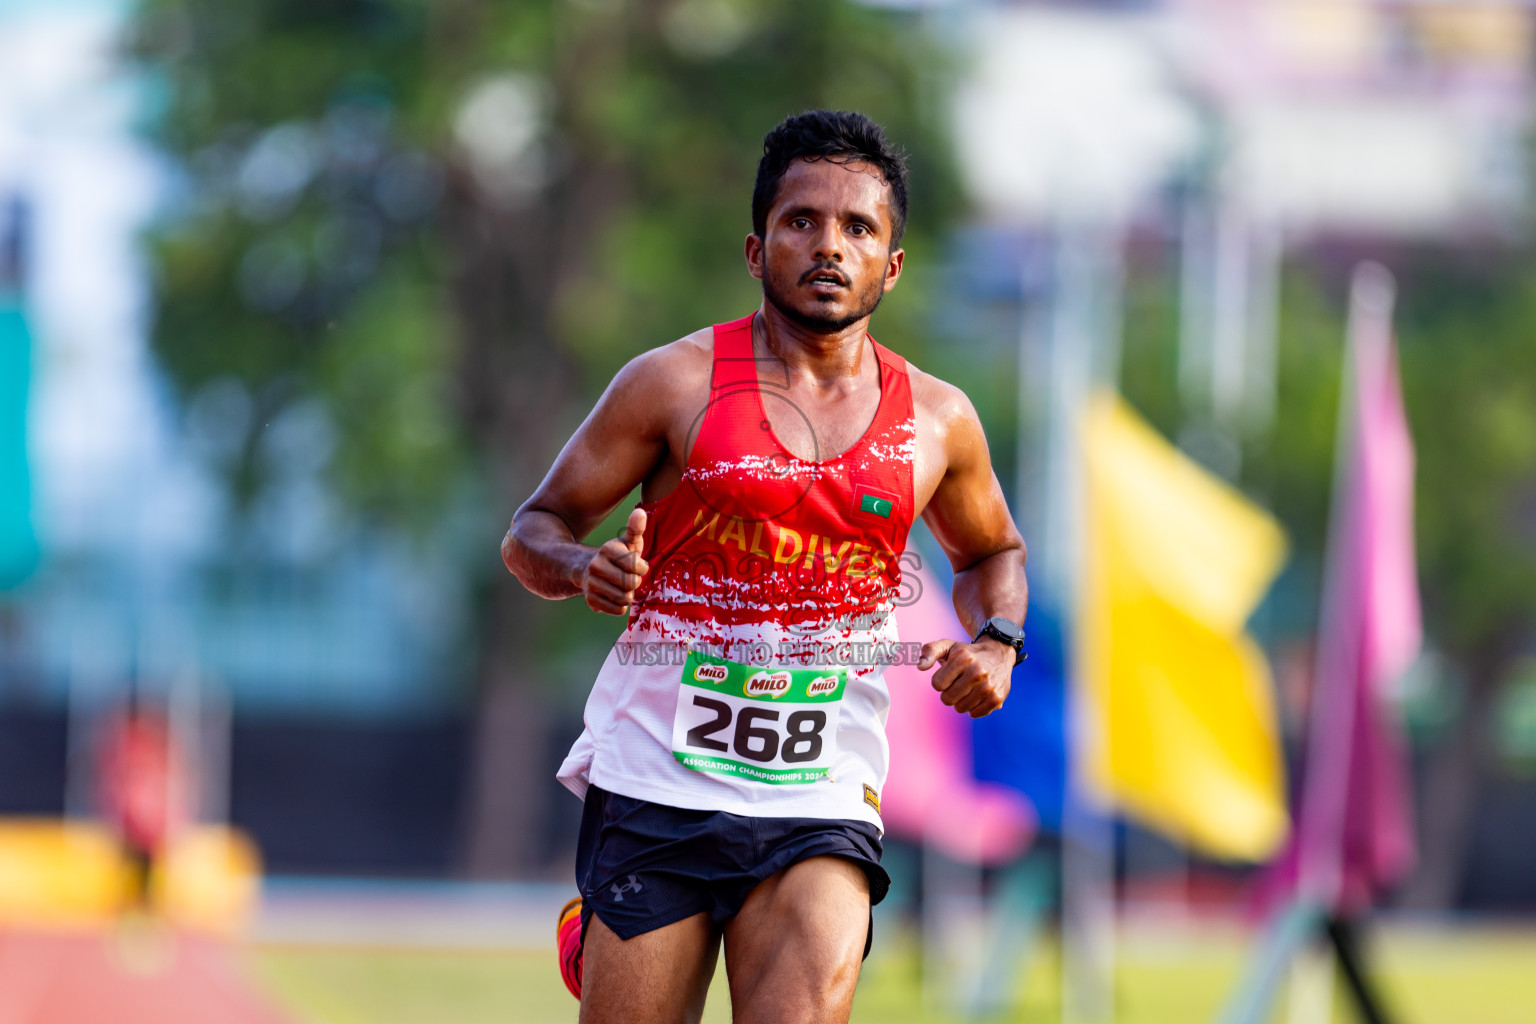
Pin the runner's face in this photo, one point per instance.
(826, 257)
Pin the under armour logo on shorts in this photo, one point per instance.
(633, 885)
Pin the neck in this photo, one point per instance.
(821, 357)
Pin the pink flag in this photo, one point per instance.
(931, 794)
(1354, 829)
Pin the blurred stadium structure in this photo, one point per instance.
(297, 300)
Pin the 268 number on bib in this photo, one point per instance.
(755, 742)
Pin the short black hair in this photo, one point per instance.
(842, 136)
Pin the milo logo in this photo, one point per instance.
(768, 684)
(817, 687)
(710, 673)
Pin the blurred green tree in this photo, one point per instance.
(450, 223)
(1469, 381)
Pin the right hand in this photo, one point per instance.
(610, 580)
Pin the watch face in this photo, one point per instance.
(1007, 627)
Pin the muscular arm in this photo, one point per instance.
(969, 517)
(618, 446)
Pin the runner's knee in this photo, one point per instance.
(811, 990)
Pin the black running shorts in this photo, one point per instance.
(642, 866)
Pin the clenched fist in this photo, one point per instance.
(614, 574)
(972, 678)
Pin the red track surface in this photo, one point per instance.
(91, 977)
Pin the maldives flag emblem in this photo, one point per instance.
(875, 506)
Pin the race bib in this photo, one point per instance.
(772, 725)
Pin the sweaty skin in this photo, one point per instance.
(794, 951)
(827, 216)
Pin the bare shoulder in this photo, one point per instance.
(950, 443)
(657, 378)
(944, 406)
(683, 360)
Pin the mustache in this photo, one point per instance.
(825, 267)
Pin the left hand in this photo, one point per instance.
(972, 678)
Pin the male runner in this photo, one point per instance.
(734, 746)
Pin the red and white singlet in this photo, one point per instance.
(751, 676)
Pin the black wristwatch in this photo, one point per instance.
(1008, 631)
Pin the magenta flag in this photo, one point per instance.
(1353, 831)
(931, 794)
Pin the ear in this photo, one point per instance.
(893, 268)
(754, 253)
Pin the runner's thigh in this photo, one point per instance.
(793, 952)
(657, 977)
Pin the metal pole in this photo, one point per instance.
(1085, 312)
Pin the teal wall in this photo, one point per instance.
(18, 542)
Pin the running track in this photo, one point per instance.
(80, 977)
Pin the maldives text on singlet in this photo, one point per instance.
(751, 676)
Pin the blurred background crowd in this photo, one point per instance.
(299, 299)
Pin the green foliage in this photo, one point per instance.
(308, 256)
(1292, 467)
(1469, 378)
(1149, 349)
(386, 369)
(687, 129)
(1515, 719)
(303, 235)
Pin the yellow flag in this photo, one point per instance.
(1177, 726)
